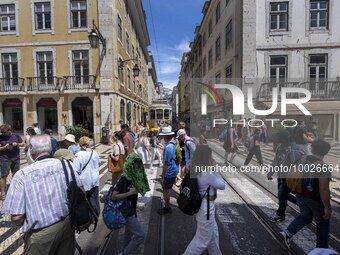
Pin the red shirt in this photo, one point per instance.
(128, 143)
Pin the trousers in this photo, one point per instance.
(207, 236)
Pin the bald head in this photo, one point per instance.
(40, 144)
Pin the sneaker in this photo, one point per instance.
(276, 219)
(285, 238)
(164, 210)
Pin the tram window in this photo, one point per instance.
(166, 114)
(152, 114)
(160, 114)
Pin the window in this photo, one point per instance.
(210, 56)
(129, 78)
(319, 14)
(210, 28)
(45, 67)
(204, 66)
(229, 35)
(204, 38)
(10, 68)
(120, 29)
(229, 73)
(78, 13)
(121, 71)
(122, 110)
(218, 49)
(42, 16)
(218, 12)
(7, 18)
(317, 71)
(81, 66)
(278, 69)
(127, 43)
(218, 78)
(279, 16)
(133, 51)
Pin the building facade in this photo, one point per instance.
(271, 43)
(50, 74)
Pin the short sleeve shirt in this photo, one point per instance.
(10, 154)
(170, 157)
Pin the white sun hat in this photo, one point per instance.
(166, 131)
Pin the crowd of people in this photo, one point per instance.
(37, 197)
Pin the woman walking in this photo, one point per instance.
(132, 182)
(117, 156)
(156, 147)
(29, 132)
(143, 147)
(206, 236)
(86, 163)
(254, 148)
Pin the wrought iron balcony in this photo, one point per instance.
(43, 83)
(320, 90)
(11, 84)
(79, 82)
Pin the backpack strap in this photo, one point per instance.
(87, 161)
(65, 172)
(208, 201)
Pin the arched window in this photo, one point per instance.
(122, 110)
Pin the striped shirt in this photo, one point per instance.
(39, 192)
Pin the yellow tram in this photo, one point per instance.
(160, 114)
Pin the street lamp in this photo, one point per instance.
(95, 37)
(135, 69)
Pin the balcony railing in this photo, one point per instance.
(79, 82)
(320, 90)
(43, 83)
(11, 84)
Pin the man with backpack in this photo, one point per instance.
(313, 197)
(37, 199)
(286, 154)
(189, 147)
(170, 168)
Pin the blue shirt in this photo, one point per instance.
(169, 157)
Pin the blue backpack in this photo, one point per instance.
(112, 216)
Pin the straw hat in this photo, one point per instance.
(63, 154)
(71, 138)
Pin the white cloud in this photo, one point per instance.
(183, 46)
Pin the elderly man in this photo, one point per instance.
(37, 199)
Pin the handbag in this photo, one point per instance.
(116, 166)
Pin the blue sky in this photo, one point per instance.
(174, 22)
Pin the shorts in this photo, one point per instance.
(5, 166)
(168, 182)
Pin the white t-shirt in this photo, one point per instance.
(118, 149)
(213, 179)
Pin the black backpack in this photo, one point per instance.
(81, 213)
(189, 199)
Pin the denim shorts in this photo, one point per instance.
(168, 182)
(5, 166)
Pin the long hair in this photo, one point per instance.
(201, 159)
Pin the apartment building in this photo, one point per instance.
(50, 74)
(272, 43)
